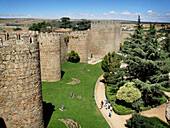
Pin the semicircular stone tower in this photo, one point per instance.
(20, 81)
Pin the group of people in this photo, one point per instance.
(107, 105)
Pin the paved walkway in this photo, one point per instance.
(118, 121)
(115, 121)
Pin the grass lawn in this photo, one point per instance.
(83, 110)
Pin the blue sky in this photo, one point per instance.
(150, 10)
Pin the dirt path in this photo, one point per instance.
(117, 121)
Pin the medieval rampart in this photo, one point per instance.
(105, 36)
(20, 81)
(50, 56)
(78, 41)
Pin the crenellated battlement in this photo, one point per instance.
(111, 26)
(104, 22)
(79, 34)
(49, 36)
(16, 38)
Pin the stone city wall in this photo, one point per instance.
(20, 82)
(78, 41)
(50, 57)
(105, 36)
(64, 47)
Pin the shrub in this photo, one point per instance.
(121, 110)
(139, 121)
(128, 93)
(145, 108)
(73, 57)
(15, 29)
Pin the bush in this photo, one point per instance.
(145, 108)
(139, 121)
(128, 93)
(121, 110)
(73, 57)
(118, 109)
(15, 29)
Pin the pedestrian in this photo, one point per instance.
(106, 106)
(101, 104)
(110, 113)
(107, 101)
(109, 105)
(111, 108)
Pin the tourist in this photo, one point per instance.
(101, 104)
(107, 101)
(109, 105)
(110, 113)
(111, 108)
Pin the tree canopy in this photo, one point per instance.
(65, 22)
(147, 66)
(73, 57)
(41, 27)
(129, 93)
(109, 62)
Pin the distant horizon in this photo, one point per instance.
(87, 19)
(149, 10)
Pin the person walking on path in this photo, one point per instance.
(107, 101)
(110, 113)
(101, 104)
(107, 106)
(111, 108)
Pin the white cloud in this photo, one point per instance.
(149, 15)
(112, 12)
(125, 13)
(105, 14)
(149, 11)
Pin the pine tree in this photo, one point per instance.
(145, 62)
(109, 62)
(146, 66)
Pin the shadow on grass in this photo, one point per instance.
(2, 123)
(62, 74)
(48, 109)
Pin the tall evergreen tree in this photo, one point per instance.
(145, 65)
(145, 59)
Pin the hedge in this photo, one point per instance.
(156, 119)
(118, 109)
(145, 108)
(121, 110)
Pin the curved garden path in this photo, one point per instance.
(118, 121)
